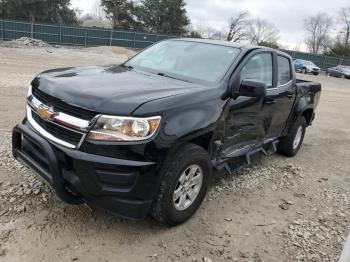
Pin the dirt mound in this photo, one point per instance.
(26, 42)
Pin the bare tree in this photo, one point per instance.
(97, 11)
(238, 27)
(203, 29)
(297, 47)
(199, 28)
(218, 35)
(345, 18)
(261, 30)
(318, 28)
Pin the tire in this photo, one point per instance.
(304, 71)
(315, 74)
(165, 209)
(287, 145)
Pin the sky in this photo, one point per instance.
(288, 15)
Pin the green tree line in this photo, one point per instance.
(163, 16)
(53, 11)
(170, 17)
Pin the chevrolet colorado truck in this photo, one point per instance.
(144, 136)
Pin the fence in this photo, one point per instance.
(86, 36)
(76, 35)
(321, 61)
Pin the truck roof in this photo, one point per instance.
(221, 42)
(242, 46)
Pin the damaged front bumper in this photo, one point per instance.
(124, 187)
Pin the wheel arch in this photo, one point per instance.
(308, 115)
(303, 108)
(203, 140)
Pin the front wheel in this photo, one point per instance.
(185, 176)
(304, 71)
(290, 145)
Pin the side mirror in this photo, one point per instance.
(252, 88)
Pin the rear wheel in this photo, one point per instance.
(304, 71)
(290, 145)
(184, 185)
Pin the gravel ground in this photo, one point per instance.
(278, 209)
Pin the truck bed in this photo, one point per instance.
(312, 86)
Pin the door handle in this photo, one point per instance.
(290, 95)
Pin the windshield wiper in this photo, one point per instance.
(128, 66)
(165, 75)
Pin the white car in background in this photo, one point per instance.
(306, 67)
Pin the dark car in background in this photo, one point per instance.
(306, 67)
(339, 71)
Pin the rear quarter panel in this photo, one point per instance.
(308, 96)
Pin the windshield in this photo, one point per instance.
(186, 60)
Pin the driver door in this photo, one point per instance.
(247, 121)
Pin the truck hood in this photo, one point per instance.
(109, 89)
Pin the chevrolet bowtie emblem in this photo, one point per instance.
(45, 112)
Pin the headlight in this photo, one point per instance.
(115, 128)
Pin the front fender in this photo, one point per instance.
(200, 118)
(188, 122)
(186, 116)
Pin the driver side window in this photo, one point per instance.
(259, 67)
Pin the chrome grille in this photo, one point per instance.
(63, 107)
(57, 126)
(58, 131)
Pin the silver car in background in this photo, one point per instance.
(306, 67)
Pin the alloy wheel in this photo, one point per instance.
(188, 187)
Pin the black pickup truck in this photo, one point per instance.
(143, 137)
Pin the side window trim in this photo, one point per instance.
(290, 71)
(291, 80)
(279, 86)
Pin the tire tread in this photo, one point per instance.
(167, 172)
(285, 146)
